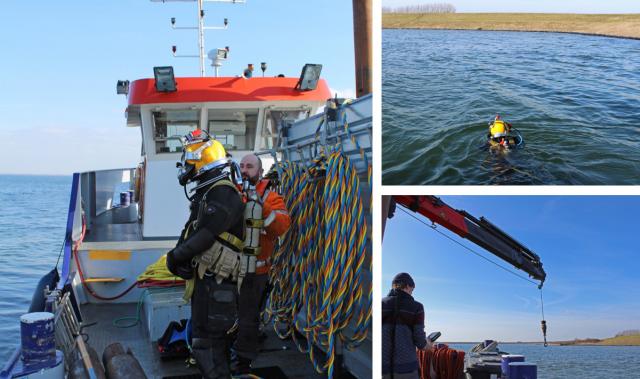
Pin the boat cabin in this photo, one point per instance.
(242, 113)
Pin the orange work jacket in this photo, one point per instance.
(277, 222)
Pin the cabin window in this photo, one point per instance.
(235, 129)
(170, 125)
(273, 120)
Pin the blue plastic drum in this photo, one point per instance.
(506, 359)
(523, 370)
(37, 332)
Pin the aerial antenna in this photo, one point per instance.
(200, 28)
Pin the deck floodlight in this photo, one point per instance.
(165, 80)
(222, 53)
(173, 21)
(122, 87)
(226, 22)
(263, 67)
(309, 77)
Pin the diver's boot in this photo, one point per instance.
(210, 359)
(204, 362)
(241, 366)
(221, 360)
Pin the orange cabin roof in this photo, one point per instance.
(191, 90)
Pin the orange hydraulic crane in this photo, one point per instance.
(479, 231)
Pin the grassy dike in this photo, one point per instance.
(631, 340)
(612, 25)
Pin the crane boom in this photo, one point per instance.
(479, 231)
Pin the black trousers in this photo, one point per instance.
(251, 293)
(213, 313)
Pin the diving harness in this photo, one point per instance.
(230, 256)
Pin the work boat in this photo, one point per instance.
(485, 360)
(101, 313)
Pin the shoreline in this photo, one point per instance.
(623, 26)
(549, 343)
(522, 31)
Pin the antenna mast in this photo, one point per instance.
(201, 28)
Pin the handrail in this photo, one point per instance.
(6, 370)
(68, 239)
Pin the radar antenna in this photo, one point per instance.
(200, 28)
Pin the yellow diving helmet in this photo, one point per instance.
(498, 128)
(200, 153)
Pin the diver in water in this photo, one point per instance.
(209, 251)
(499, 131)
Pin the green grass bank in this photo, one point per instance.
(630, 340)
(612, 25)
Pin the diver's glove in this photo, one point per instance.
(182, 270)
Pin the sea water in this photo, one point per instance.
(574, 98)
(33, 216)
(576, 362)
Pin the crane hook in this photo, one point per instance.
(543, 323)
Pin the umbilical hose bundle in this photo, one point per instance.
(319, 271)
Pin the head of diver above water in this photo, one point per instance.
(499, 128)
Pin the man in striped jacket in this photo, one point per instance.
(402, 330)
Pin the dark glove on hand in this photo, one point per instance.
(179, 269)
(171, 262)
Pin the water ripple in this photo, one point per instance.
(576, 99)
(33, 214)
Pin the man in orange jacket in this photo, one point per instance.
(276, 223)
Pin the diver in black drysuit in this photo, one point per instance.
(213, 305)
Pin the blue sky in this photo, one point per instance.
(61, 60)
(540, 6)
(589, 249)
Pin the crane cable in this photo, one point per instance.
(319, 269)
(543, 323)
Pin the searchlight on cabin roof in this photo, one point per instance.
(217, 56)
(165, 80)
(122, 87)
(309, 77)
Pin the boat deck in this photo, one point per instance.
(275, 352)
(114, 233)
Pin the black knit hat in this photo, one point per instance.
(403, 278)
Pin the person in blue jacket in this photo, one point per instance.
(402, 330)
